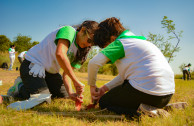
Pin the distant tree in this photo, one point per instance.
(34, 43)
(23, 43)
(165, 44)
(5, 43)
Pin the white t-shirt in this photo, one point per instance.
(186, 68)
(11, 52)
(138, 61)
(44, 52)
(22, 54)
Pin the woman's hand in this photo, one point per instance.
(96, 95)
(79, 87)
(103, 90)
(75, 97)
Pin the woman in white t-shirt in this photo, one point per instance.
(11, 56)
(21, 56)
(145, 79)
(186, 72)
(66, 48)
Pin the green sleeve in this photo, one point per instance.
(76, 65)
(66, 32)
(114, 51)
(9, 49)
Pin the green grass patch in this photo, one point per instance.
(184, 93)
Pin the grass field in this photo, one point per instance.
(184, 92)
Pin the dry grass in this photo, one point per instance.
(184, 92)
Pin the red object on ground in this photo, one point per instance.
(1, 99)
(90, 106)
(78, 105)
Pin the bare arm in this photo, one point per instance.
(68, 87)
(61, 55)
(67, 83)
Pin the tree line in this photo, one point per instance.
(22, 43)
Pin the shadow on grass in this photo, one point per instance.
(90, 115)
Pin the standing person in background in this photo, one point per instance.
(11, 56)
(21, 56)
(186, 72)
(145, 79)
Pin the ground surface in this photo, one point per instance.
(184, 92)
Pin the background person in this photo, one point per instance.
(145, 78)
(66, 48)
(11, 56)
(186, 72)
(21, 56)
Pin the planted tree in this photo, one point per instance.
(165, 44)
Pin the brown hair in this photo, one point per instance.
(106, 29)
(82, 53)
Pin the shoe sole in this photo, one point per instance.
(163, 113)
(154, 111)
(177, 105)
(144, 108)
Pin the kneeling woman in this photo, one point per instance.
(145, 77)
(64, 48)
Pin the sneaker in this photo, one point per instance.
(14, 90)
(177, 105)
(6, 99)
(153, 111)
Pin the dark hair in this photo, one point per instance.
(12, 46)
(106, 29)
(82, 53)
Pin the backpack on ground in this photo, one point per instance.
(4, 65)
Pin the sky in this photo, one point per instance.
(37, 18)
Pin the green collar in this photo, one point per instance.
(129, 34)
